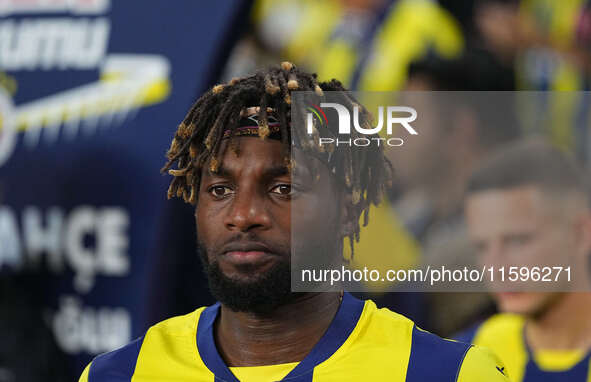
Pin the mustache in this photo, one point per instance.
(245, 242)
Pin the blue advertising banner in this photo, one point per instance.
(91, 92)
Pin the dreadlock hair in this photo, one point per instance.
(197, 141)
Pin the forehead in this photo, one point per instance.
(510, 207)
(254, 154)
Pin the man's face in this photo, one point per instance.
(244, 224)
(519, 227)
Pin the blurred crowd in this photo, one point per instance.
(371, 45)
(448, 45)
(538, 47)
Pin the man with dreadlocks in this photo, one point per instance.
(232, 159)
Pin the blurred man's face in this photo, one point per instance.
(519, 227)
(244, 224)
(423, 157)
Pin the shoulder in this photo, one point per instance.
(432, 358)
(384, 329)
(444, 357)
(382, 318)
(120, 364)
(483, 365)
(386, 320)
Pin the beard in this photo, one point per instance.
(259, 295)
(265, 292)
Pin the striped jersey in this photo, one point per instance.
(362, 343)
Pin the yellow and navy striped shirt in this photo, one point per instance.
(504, 334)
(363, 343)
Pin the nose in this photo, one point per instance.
(493, 254)
(247, 212)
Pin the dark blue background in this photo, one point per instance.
(119, 166)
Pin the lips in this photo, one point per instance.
(246, 252)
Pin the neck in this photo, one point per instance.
(283, 336)
(564, 326)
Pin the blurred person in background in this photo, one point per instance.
(548, 43)
(410, 30)
(527, 205)
(367, 43)
(233, 157)
(546, 40)
(456, 132)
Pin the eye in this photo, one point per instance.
(519, 240)
(220, 191)
(479, 246)
(282, 189)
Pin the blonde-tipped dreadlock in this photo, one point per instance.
(197, 142)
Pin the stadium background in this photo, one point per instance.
(91, 253)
